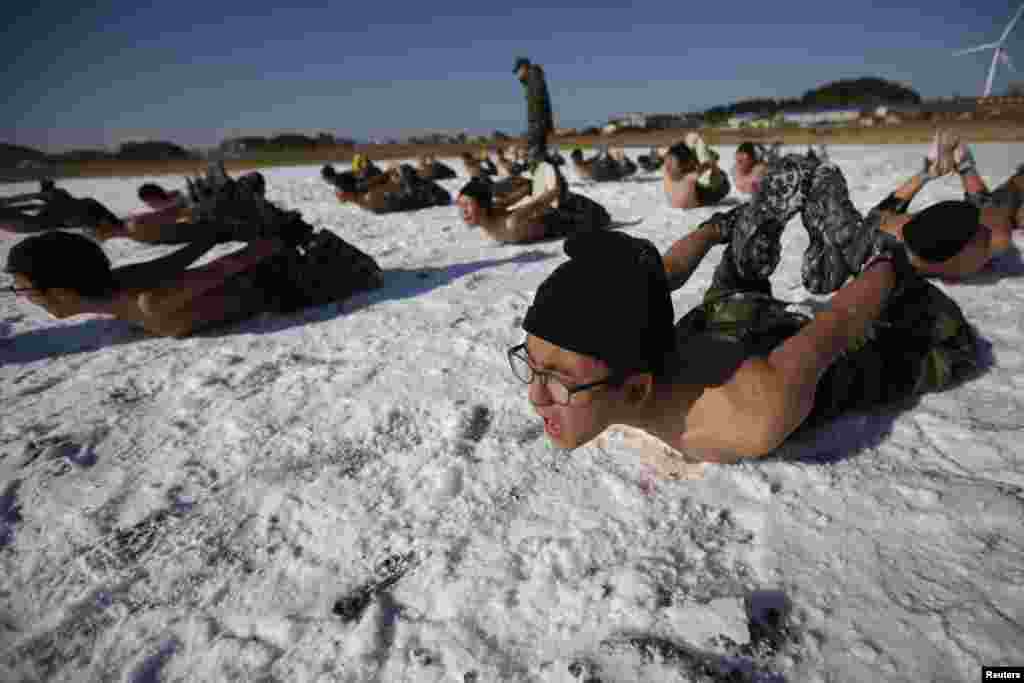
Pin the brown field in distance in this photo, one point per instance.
(907, 133)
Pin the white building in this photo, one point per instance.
(817, 117)
(740, 120)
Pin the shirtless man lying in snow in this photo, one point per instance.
(286, 265)
(606, 166)
(739, 374)
(951, 239)
(749, 168)
(477, 166)
(954, 239)
(396, 190)
(68, 274)
(429, 168)
(518, 216)
(692, 177)
(176, 217)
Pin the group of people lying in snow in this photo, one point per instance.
(285, 266)
(741, 357)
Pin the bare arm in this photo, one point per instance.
(683, 257)
(153, 274)
(536, 206)
(158, 227)
(513, 196)
(521, 225)
(908, 190)
(777, 392)
(190, 284)
(20, 223)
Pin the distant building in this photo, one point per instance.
(740, 120)
(823, 116)
(631, 120)
(671, 121)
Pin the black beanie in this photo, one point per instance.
(610, 300)
(480, 190)
(942, 230)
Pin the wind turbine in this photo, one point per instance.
(999, 55)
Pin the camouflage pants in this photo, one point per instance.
(841, 238)
(415, 193)
(921, 343)
(326, 269)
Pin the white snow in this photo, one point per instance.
(192, 510)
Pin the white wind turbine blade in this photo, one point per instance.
(991, 74)
(987, 46)
(1010, 25)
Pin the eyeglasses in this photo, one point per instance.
(524, 371)
(12, 289)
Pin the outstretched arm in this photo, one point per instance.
(175, 294)
(521, 224)
(777, 392)
(683, 257)
(899, 201)
(153, 274)
(19, 222)
(160, 226)
(521, 191)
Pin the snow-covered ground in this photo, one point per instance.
(361, 492)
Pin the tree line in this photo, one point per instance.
(857, 92)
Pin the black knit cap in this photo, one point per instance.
(480, 190)
(610, 300)
(942, 230)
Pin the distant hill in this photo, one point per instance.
(863, 92)
(860, 91)
(11, 155)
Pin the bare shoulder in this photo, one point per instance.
(753, 388)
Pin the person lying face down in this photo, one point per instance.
(652, 161)
(397, 190)
(429, 168)
(67, 274)
(478, 166)
(953, 239)
(682, 174)
(174, 218)
(749, 168)
(157, 198)
(601, 349)
(605, 167)
(514, 166)
(52, 208)
(512, 218)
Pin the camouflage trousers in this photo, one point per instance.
(921, 343)
(841, 238)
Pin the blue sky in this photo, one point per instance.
(195, 72)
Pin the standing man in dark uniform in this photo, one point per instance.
(538, 110)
